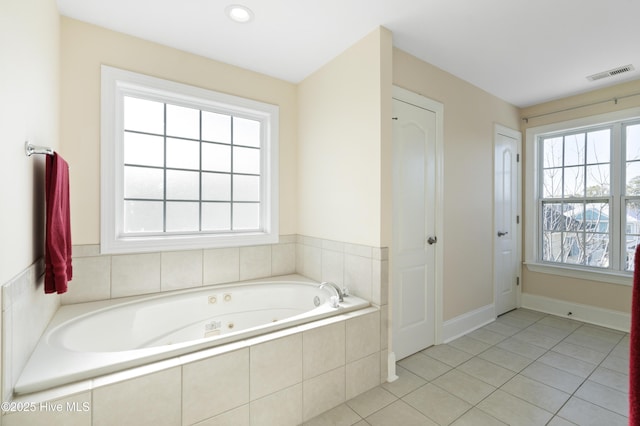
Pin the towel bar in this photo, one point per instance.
(30, 149)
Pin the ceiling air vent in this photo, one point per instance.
(610, 73)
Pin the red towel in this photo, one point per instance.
(57, 255)
(634, 347)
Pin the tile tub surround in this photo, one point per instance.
(26, 312)
(303, 371)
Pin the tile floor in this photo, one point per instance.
(526, 368)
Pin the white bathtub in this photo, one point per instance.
(91, 339)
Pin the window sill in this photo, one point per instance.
(610, 277)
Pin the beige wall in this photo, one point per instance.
(341, 141)
(85, 47)
(29, 110)
(469, 117)
(599, 294)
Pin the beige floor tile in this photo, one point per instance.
(399, 413)
(538, 339)
(501, 328)
(406, 382)
(553, 377)
(584, 413)
(437, 404)
(566, 363)
(342, 415)
(513, 411)
(550, 331)
(560, 323)
(610, 378)
(579, 352)
(605, 397)
(424, 366)
(371, 401)
(614, 363)
(476, 417)
(448, 354)
(487, 336)
(470, 345)
(559, 421)
(522, 348)
(536, 393)
(506, 359)
(591, 342)
(464, 386)
(518, 323)
(487, 371)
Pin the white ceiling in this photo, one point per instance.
(524, 52)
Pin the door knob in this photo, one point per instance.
(502, 234)
(432, 240)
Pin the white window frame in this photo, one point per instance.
(116, 84)
(532, 231)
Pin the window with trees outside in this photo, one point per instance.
(589, 196)
(185, 167)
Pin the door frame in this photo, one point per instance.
(517, 135)
(418, 100)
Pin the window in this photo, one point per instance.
(585, 176)
(184, 167)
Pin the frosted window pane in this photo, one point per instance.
(246, 216)
(143, 182)
(183, 122)
(216, 127)
(216, 158)
(183, 185)
(246, 160)
(216, 216)
(598, 147)
(143, 216)
(183, 217)
(183, 154)
(216, 187)
(246, 132)
(144, 150)
(574, 149)
(143, 116)
(552, 152)
(246, 188)
(553, 218)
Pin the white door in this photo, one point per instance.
(414, 239)
(507, 219)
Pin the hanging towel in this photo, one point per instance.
(634, 347)
(58, 269)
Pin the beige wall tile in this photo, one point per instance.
(74, 410)
(133, 274)
(221, 265)
(91, 280)
(283, 408)
(283, 259)
(275, 365)
(181, 269)
(148, 400)
(323, 393)
(255, 262)
(363, 336)
(323, 349)
(362, 375)
(236, 417)
(215, 385)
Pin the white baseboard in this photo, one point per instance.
(466, 323)
(585, 313)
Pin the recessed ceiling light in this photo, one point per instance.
(239, 13)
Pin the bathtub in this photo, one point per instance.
(91, 339)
